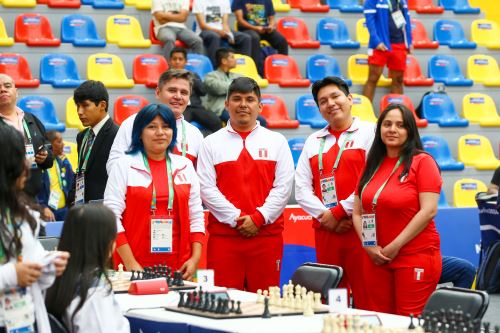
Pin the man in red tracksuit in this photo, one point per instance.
(246, 176)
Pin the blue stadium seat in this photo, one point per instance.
(459, 6)
(439, 109)
(104, 4)
(439, 149)
(320, 66)
(80, 30)
(346, 6)
(199, 63)
(445, 69)
(43, 109)
(442, 200)
(59, 70)
(296, 145)
(451, 33)
(307, 112)
(334, 32)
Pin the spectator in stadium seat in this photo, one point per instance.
(257, 19)
(495, 182)
(195, 111)
(390, 41)
(169, 17)
(212, 17)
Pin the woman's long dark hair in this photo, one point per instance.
(88, 234)
(12, 204)
(411, 147)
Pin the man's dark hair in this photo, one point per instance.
(335, 80)
(91, 90)
(178, 50)
(243, 85)
(222, 53)
(176, 74)
(51, 135)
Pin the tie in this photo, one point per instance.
(88, 146)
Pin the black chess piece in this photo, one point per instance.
(206, 303)
(232, 309)
(181, 300)
(225, 306)
(180, 282)
(212, 303)
(199, 306)
(219, 305)
(194, 301)
(412, 325)
(132, 277)
(266, 313)
(238, 309)
(497, 329)
(486, 326)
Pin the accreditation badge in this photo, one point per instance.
(18, 311)
(54, 199)
(161, 233)
(398, 18)
(30, 156)
(80, 189)
(368, 230)
(328, 191)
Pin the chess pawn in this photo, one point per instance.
(265, 293)
(298, 302)
(298, 289)
(303, 292)
(327, 328)
(308, 310)
(317, 300)
(260, 298)
(291, 303)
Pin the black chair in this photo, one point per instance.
(319, 278)
(49, 243)
(473, 302)
(56, 326)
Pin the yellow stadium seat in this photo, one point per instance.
(464, 192)
(109, 69)
(476, 151)
(480, 109)
(144, 4)
(483, 69)
(362, 34)
(5, 40)
(486, 33)
(19, 3)
(279, 6)
(130, 3)
(125, 31)
(363, 108)
(357, 71)
(246, 67)
(72, 120)
(71, 152)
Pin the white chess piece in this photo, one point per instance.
(327, 328)
(317, 300)
(308, 310)
(298, 302)
(120, 271)
(298, 289)
(260, 298)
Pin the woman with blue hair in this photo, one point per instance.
(155, 196)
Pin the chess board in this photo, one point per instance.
(122, 283)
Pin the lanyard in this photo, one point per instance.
(170, 185)
(86, 158)
(26, 130)
(322, 147)
(377, 194)
(389, 2)
(58, 173)
(10, 226)
(183, 142)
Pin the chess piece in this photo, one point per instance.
(260, 298)
(317, 300)
(120, 271)
(298, 289)
(225, 307)
(212, 303)
(412, 325)
(327, 328)
(181, 300)
(266, 314)
(206, 303)
(132, 277)
(238, 309)
(232, 309)
(308, 310)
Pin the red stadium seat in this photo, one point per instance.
(413, 75)
(34, 30)
(309, 6)
(296, 33)
(127, 105)
(147, 68)
(156, 41)
(424, 7)
(42, 2)
(420, 38)
(64, 3)
(16, 66)
(283, 70)
(402, 99)
(275, 113)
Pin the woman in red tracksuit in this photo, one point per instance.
(396, 202)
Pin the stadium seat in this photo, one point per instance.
(34, 30)
(480, 109)
(451, 33)
(459, 6)
(476, 151)
(147, 68)
(357, 71)
(64, 3)
(80, 30)
(104, 4)
(281, 7)
(72, 119)
(246, 67)
(442, 203)
(109, 69)
(320, 66)
(424, 7)
(483, 69)
(296, 146)
(413, 75)
(486, 33)
(420, 37)
(143, 4)
(334, 32)
(275, 112)
(127, 105)
(125, 31)
(59, 70)
(439, 109)
(5, 40)
(43, 109)
(17, 67)
(71, 151)
(439, 149)
(406, 101)
(199, 64)
(465, 190)
(363, 108)
(362, 33)
(283, 70)
(307, 112)
(445, 69)
(156, 41)
(296, 34)
(309, 6)
(19, 3)
(346, 6)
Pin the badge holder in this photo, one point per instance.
(398, 18)
(328, 190)
(368, 230)
(80, 189)
(30, 156)
(18, 310)
(161, 233)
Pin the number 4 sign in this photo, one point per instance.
(337, 299)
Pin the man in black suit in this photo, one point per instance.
(94, 143)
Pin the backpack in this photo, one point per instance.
(488, 276)
(440, 89)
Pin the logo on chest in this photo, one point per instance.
(263, 153)
(180, 178)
